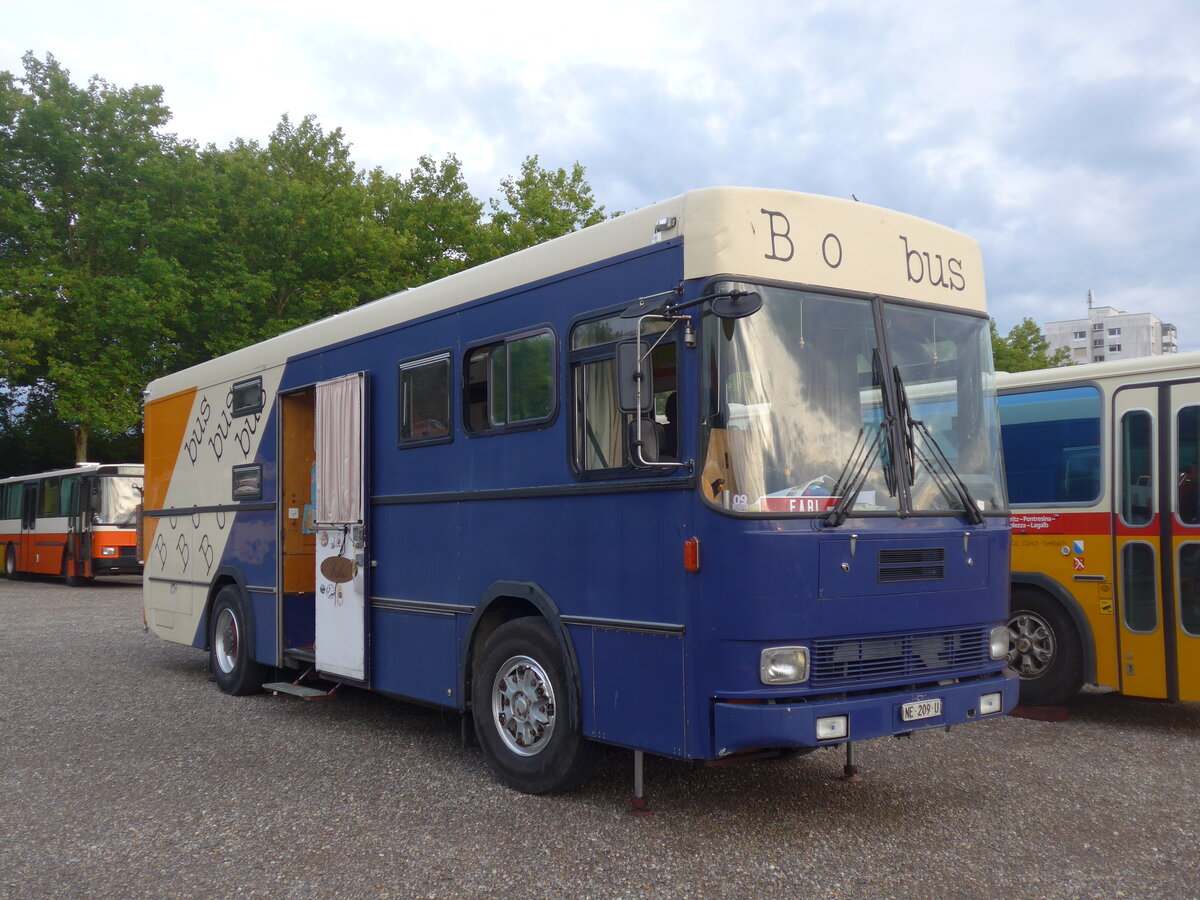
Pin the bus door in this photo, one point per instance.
(1141, 633)
(1184, 450)
(340, 527)
(26, 548)
(79, 534)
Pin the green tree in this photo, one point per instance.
(126, 252)
(540, 205)
(434, 216)
(292, 238)
(1025, 348)
(79, 203)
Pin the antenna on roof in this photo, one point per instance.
(1089, 298)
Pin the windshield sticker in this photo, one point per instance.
(797, 504)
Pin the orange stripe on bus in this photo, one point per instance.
(166, 423)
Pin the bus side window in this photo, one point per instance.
(1137, 489)
(1187, 452)
(51, 490)
(425, 400)
(600, 430)
(511, 382)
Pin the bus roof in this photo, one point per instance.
(80, 469)
(1146, 368)
(748, 232)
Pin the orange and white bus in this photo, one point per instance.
(1102, 464)
(79, 522)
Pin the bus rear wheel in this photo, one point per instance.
(10, 564)
(1043, 648)
(231, 645)
(526, 711)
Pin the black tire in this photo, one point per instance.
(1043, 648)
(526, 711)
(231, 645)
(10, 564)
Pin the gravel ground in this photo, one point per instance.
(126, 773)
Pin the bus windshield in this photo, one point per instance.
(117, 501)
(796, 417)
(944, 369)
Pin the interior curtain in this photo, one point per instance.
(339, 450)
(603, 442)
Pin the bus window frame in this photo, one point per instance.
(1103, 463)
(1154, 572)
(576, 358)
(417, 362)
(246, 409)
(1177, 562)
(490, 344)
(1118, 474)
(1176, 472)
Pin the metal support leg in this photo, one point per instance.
(639, 799)
(850, 770)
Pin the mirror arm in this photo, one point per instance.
(638, 443)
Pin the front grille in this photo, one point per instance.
(922, 564)
(926, 656)
(127, 552)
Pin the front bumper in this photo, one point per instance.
(108, 565)
(738, 727)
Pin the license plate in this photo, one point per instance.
(920, 709)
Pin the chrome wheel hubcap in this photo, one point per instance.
(523, 709)
(1031, 645)
(226, 640)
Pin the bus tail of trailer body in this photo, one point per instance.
(714, 477)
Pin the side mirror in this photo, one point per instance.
(736, 304)
(629, 373)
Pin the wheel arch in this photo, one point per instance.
(226, 575)
(503, 602)
(1047, 585)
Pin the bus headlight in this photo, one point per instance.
(998, 643)
(990, 704)
(830, 728)
(108, 551)
(784, 665)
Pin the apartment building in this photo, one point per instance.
(1109, 333)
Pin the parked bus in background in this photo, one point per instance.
(721, 476)
(1101, 461)
(79, 522)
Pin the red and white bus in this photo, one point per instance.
(78, 523)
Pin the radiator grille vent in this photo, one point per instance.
(921, 564)
(928, 655)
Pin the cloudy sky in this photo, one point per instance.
(1064, 136)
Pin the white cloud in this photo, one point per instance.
(1063, 136)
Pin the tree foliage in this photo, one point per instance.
(126, 253)
(1025, 348)
(541, 204)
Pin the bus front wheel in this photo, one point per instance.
(10, 564)
(231, 645)
(1043, 648)
(526, 711)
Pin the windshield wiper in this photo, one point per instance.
(864, 454)
(948, 481)
(854, 473)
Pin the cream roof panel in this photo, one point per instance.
(1147, 368)
(753, 233)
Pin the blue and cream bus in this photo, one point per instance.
(721, 476)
